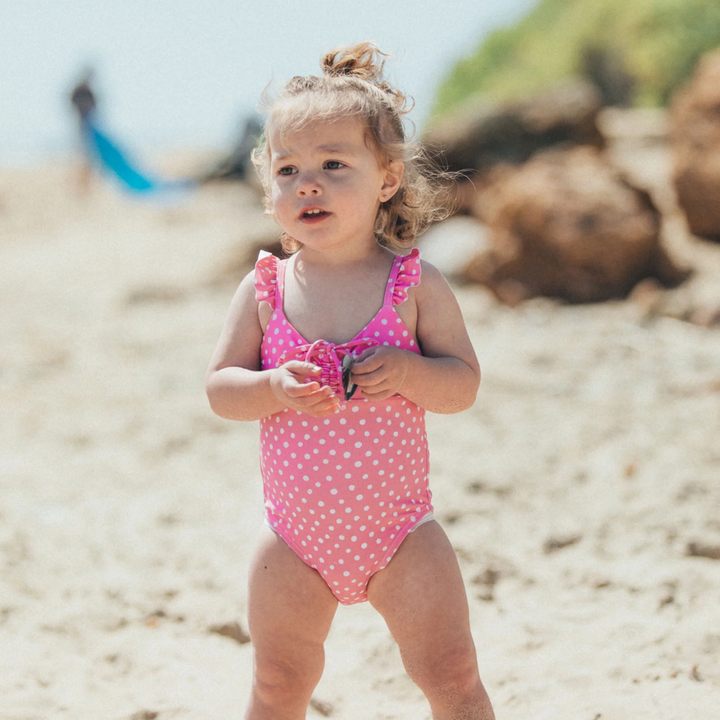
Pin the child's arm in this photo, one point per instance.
(236, 386)
(446, 377)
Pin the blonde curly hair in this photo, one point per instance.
(353, 85)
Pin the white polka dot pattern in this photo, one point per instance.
(344, 491)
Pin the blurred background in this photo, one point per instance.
(176, 74)
(581, 492)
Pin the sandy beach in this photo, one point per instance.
(581, 492)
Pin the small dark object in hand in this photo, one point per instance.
(349, 387)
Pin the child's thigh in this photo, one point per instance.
(421, 596)
(290, 607)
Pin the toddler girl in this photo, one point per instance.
(339, 351)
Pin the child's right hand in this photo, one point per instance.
(293, 385)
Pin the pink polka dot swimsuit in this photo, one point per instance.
(343, 491)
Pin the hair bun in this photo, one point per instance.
(363, 61)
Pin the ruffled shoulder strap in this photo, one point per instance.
(266, 272)
(405, 274)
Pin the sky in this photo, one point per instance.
(185, 73)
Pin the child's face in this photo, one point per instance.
(327, 184)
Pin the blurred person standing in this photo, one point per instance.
(84, 102)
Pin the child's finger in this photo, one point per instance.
(325, 406)
(302, 389)
(378, 384)
(369, 378)
(378, 395)
(368, 365)
(298, 390)
(298, 367)
(371, 352)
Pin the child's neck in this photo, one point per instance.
(357, 253)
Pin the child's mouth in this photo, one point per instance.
(314, 215)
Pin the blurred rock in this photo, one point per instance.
(695, 549)
(696, 301)
(568, 225)
(695, 131)
(555, 543)
(649, 297)
(322, 708)
(706, 316)
(480, 135)
(231, 630)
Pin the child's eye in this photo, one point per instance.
(288, 170)
(333, 165)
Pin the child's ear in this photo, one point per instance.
(393, 178)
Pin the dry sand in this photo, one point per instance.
(572, 491)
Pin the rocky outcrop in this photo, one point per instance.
(567, 225)
(695, 132)
(481, 136)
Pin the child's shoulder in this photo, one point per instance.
(413, 260)
(433, 285)
(429, 274)
(420, 282)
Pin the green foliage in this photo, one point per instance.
(660, 42)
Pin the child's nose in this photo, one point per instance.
(309, 185)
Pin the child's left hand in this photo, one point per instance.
(380, 371)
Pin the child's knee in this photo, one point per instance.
(278, 680)
(447, 675)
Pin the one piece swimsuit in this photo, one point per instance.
(343, 491)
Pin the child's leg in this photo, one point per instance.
(422, 598)
(290, 609)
